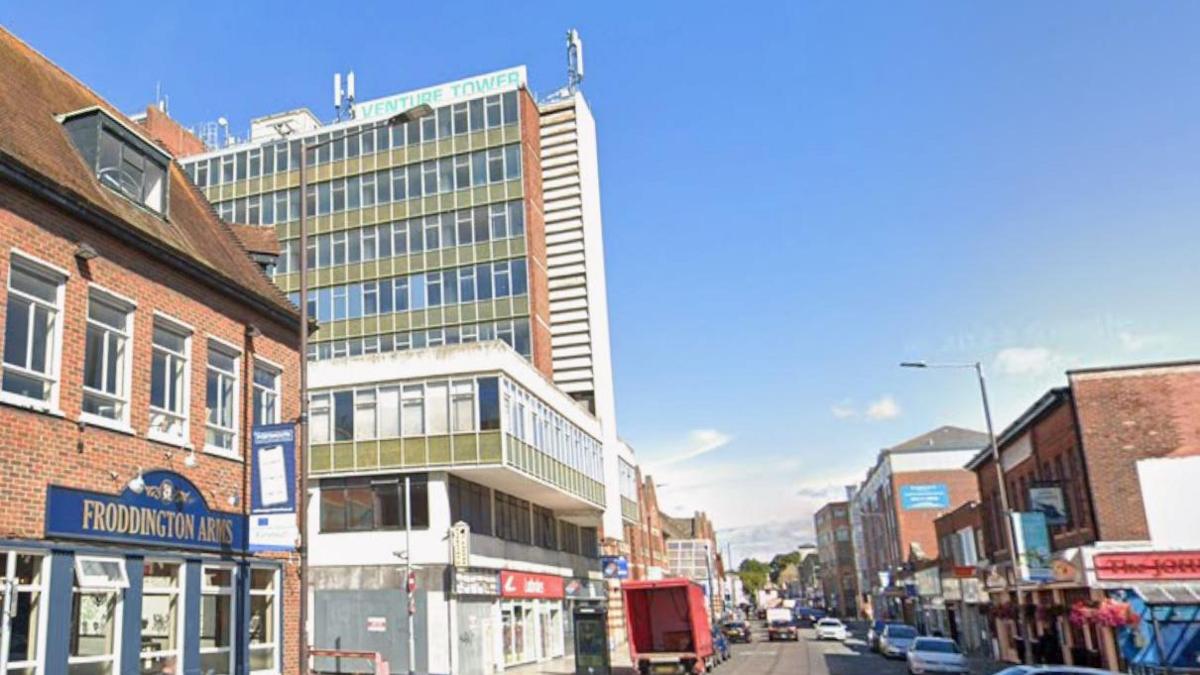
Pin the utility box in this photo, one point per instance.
(591, 641)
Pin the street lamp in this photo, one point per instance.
(1008, 528)
(409, 115)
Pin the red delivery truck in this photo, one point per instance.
(668, 626)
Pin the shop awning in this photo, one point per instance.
(1169, 594)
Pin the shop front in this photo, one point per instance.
(147, 581)
(531, 617)
(1151, 601)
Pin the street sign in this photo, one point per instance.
(460, 544)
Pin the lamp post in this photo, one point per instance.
(1004, 504)
(305, 147)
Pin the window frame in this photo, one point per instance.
(177, 591)
(172, 325)
(276, 372)
(231, 592)
(275, 592)
(128, 307)
(48, 272)
(228, 350)
(39, 590)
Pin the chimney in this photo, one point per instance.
(177, 140)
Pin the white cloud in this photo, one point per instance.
(885, 408)
(843, 410)
(1028, 361)
(699, 442)
(1136, 342)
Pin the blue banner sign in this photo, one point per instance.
(615, 567)
(167, 511)
(273, 488)
(931, 496)
(1033, 546)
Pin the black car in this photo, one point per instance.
(736, 631)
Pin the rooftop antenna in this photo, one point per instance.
(350, 94)
(337, 96)
(574, 60)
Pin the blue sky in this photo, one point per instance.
(796, 197)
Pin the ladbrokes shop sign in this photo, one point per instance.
(168, 511)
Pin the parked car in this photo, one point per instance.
(1053, 670)
(736, 631)
(873, 633)
(935, 655)
(720, 646)
(896, 639)
(831, 629)
(808, 616)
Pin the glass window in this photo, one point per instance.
(520, 279)
(169, 394)
(383, 187)
(25, 570)
(399, 184)
(339, 195)
(364, 414)
(479, 168)
(460, 118)
(438, 413)
(483, 281)
(264, 620)
(428, 128)
(266, 394)
(217, 608)
(368, 189)
(445, 122)
(495, 163)
(221, 400)
(413, 411)
(462, 406)
(105, 366)
(512, 161)
(492, 105)
(31, 331)
(445, 174)
(489, 403)
(95, 618)
(516, 218)
(510, 107)
(476, 114)
(429, 175)
(343, 416)
(389, 412)
(161, 624)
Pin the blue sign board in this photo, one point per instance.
(273, 488)
(1034, 555)
(931, 496)
(167, 511)
(615, 567)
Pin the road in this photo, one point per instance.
(810, 657)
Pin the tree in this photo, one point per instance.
(754, 575)
(781, 561)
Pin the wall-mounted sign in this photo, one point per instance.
(1034, 556)
(460, 544)
(169, 511)
(273, 524)
(443, 94)
(376, 624)
(972, 592)
(1148, 566)
(527, 585)
(585, 589)
(615, 567)
(1047, 498)
(929, 496)
(952, 588)
(476, 582)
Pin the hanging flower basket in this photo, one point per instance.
(1082, 613)
(1108, 612)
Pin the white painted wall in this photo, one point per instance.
(1168, 485)
(903, 462)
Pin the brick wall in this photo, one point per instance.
(38, 449)
(1126, 415)
(178, 141)
(535, 234)
(916, 525)
(966, 515)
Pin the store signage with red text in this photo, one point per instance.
(525, 585)
(1148, 566)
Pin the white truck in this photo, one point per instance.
(780, 625)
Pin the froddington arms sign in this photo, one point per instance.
(443, 94)
(168, 511)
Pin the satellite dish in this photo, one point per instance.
(222, 121)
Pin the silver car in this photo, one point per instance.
(1053, 670)
(895, 640)
(936, 655)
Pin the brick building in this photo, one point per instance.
(1111, 459)
(141, 344)
(960, 543)
(893, 510)
(836, 553)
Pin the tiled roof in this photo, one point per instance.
(33, 92)
(257, 239)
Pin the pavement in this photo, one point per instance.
(807, 656)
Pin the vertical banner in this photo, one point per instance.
(1033, 546)
(273, 488)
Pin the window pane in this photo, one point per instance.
(343, 416)
(333, 509)
(489, 403)
(437, 399)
